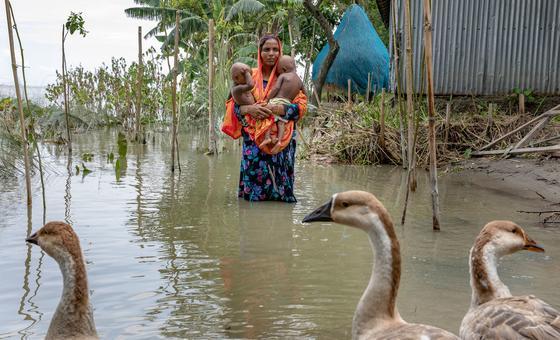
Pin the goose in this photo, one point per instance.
(73, 318)
(376, 315)
(494, 313)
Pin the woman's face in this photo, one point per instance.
(270, 52)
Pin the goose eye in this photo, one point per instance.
(514, 230)
(345, 204)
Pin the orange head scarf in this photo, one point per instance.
(255, 128)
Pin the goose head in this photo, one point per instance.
(58, 240)
(354, 208)
(506, 238)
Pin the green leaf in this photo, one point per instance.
(244, 7)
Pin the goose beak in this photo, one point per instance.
(32, 239)
(323, 213)
(531, 245)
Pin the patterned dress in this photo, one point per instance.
(255, 180)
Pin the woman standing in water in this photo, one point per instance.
(265, 176)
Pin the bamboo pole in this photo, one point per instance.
(521, 103)
(174, 92)
(139, 86)
(431, 113)
(410, 96)
(411, 178)
(398, 82)
(65, 85)
(382, 121)
(211, 135)
(20, 104)
(35, 144)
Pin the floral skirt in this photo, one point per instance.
(265, 177)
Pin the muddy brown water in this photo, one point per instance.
(182, 257)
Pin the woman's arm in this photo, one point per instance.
(256, 111)
(288, 112)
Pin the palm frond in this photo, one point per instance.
(244, 7)
(151, 3)
(151, 13)
(187, 27)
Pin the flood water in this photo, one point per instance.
(182, 257)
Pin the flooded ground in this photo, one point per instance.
(182, 257)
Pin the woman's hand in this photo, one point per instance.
(257, 111)
(276, 109)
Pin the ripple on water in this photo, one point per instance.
(179, 256)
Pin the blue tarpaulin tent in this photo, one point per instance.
(361, 52)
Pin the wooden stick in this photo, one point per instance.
(398, 87)
(491, 109)
(174, 91)
(431, 114)
(382, 121)
(65, 88)
(521, 103)
(411, 178)
(547, 113)
(368, 90)
(539, 212)
(20, 104)
(39, 162)
(349, 93)
(447, 117)
(551, 148)
(211, 135)
(139, 86)
(532, 133)
(546, 140)
(410, 97)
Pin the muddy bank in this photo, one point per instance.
(530, 178)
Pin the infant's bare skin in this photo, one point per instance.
(287, 87)
(242, 84)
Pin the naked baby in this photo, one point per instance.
(287, 87)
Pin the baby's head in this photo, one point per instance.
(286, 64)
(238, 72)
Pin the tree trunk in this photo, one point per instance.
(139, 87)
(20, 104)
(431, 114)
(211, 135)
(333, 48)
(174, 92)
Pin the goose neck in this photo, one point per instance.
(485, 281)
(378, 303)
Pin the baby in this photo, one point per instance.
(242, 84)
(285, 89)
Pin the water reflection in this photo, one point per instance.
(180, 256)
(28, 313)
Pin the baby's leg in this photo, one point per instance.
(280, 124)
(267, 139)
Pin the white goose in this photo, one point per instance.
(494, 313)
(376, 315)
(73, 318)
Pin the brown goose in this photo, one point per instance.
(73, 318)
(376, 315)
(494, 313)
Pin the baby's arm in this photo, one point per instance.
(249, 83)
(276, 88)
